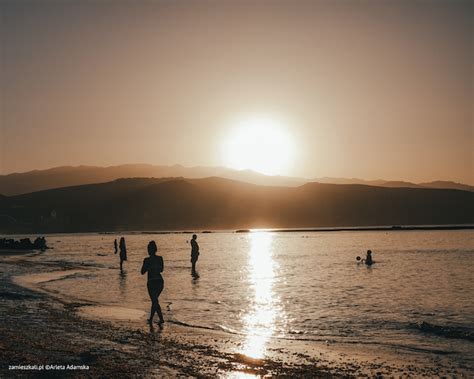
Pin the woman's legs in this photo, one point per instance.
(151, 293)
(158, 311)
(154, 290)
(157, 305)
(152, 310)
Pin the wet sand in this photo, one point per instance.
(40, 328)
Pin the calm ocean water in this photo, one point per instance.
(263, 285)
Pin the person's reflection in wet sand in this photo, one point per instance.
(153, 330)
(123, 282)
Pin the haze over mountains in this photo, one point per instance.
(37, 180)
(217, 203)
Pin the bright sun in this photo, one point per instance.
(260, 144)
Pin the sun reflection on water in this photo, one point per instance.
(259, 323)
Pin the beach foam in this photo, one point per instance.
(111, 313)
(32, 281)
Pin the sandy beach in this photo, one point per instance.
(52, 336)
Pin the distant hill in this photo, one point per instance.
(398, 184)
(331, 180)
(444, 184)
(32, 181)
(394, 184)
(216, 203)
(37, 180)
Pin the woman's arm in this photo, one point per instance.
(145, 266)
(162, 264)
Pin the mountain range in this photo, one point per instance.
(37, 180)
(178, 203)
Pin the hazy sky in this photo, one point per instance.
(368, 89)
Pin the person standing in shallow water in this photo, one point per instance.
(153, 265)
(123, 252)
(194, 255)
(368, 258)
(115, 246)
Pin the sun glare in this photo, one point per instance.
(260, 144)
(260, 321)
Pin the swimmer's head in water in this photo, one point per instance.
(358, 258)
(152, 248)
(194, 236)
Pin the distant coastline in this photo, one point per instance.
(394, 228)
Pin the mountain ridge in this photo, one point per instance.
(65, 176)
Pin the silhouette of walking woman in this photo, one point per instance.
(194, 256)
(153, 265)
(123, 252)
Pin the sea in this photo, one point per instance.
(306, 285)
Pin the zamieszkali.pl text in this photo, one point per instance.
(48, 367)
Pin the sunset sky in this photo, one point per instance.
(367, 89)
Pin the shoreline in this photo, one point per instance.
(39, 327)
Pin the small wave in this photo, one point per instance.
(181, 323)
(76, 275)
(219, 302)
(400, 346)
(219, 327)
(456, 332)
(306, 338)
(297, 332)
(186, 268)
(229, 330)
